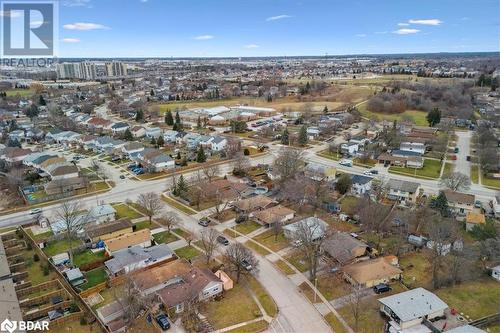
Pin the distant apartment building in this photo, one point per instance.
(90, 70)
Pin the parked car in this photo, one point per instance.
(36, 211)
(456, 150)
(240, 219)
(122, 176)
(468, 158)
(223, 240)
(374, 172)
(163, 321)
(246, 265)
(116, 159)
(381, 288)
(478, 204)
(204, 222)
(346, 162)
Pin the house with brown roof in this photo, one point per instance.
(460, 203)
(14, 155)
(369, 273)
(225, 189)
(178, 282)
(255, 203)
(141, 238)
(472, 219)
(64, 185)
(269, 216)
(105, 231)
(344, 248)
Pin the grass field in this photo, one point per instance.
(257, 248)
(418, 117)
(264, 298)
(237, 306)
(334, 323)
(164, 237)
(124, 211)
(174, 203)
(144, 225)
(284, 268)
(448, 168)
(475, 298)
(247, 227)
(187, 252)
(94, 277)
(256, 327)
(416, 270)
(474, 173)
(491, 182)
(87, 257)
(20, 92)
(269, 240)
(327, 154)
(60, 246)
(431, 169)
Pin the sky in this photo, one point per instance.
(233, 28)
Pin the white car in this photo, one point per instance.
(36, 211)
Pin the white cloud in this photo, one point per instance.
(403, 24)
(71, 40)
(76, 3)
(251, 46)
(426, 22)
(278, 17)
(204, 37)
(360, 35)
(85, 26)
(406, 31)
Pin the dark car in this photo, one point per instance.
(240, 219)
(204, 222)
(223, 240)
(162, 320)
(122, 176)
(468, 158)
(456, 150)
(246, 265)
(381, 288)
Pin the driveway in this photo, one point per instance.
(463, 144)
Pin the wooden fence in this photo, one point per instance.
(94, 290)
(39, 287)
(78, 299)
(43, 312)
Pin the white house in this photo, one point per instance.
(349, 148)
(361, 184)
(413, 146)
(153, 132)
(102, 213)
(218, 143)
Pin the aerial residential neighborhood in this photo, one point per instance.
(276, 188)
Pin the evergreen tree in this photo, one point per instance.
(139, 115)
(325, 109)
(169, 120)
(32, 111)
(198, 123)
(160, 142)
(41, 101)
(303, 135)
(177, 124)
(175, 127)
(127, 135)
(285, 137)
(178, 155)
(440, 203)
(153, 141)
(152, 92)
(201, 157)
(434, 117)
(181, 186)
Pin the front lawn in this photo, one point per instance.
(124, 211)
(264, 298)
(334, 323)
(174, 203)
(144, 225)
(474, 173)
(94, 277)
(431, 169)
(297, 260)
(247, 227)
(329, 155)
(60, 246)
(164, 237)
(187, 252)
(256, 247)
(88, 257)
(490, 182)
(237, 306)
(269, 240)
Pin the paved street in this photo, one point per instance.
(463, 144)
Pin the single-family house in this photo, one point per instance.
(170, 136)
(178, 282)
(141, 238)
(131, 148)
(369, 273)
(344, 248)
(153, 132)
(313, 133)
(407, 310)
(349, 148)
(251, 204)
(102, 213)
(62, 171)
(136, 257)
(75, 277)
(320, 172)
(403, 191)
(275, 214)
(316, 226)
(417, 147)
(105, 231)
(138, 131)
(218, 143)
(119, 127)
(227, 282)
(157, 161)
(459, 203)
(361, 184)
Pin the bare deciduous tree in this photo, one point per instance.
(130, 299)
(211, 171)
(168, 220)
(151, 204)
(241, 164)
(455, 181)
(355, 303)
(373, 216)
(234, 257)
(209, 243)
(310, 236)
(220, 203)
(70, 214)
(288, 163)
